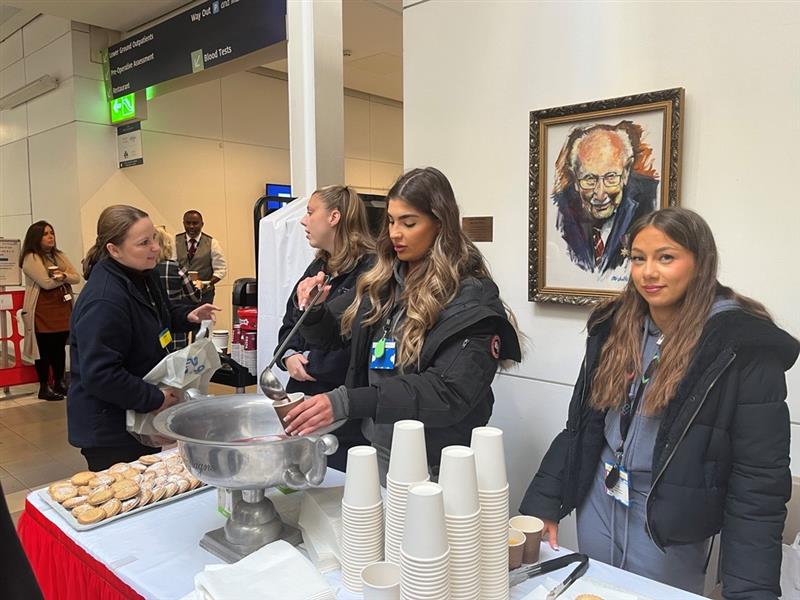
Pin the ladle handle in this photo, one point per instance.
(290, 335)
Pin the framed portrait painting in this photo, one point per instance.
(595, 168)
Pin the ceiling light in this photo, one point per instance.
(35, 88)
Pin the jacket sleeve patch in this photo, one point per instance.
(494, 347)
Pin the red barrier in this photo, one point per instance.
(17, 372)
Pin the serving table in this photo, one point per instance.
(155, 554)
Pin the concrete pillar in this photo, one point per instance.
(316, 94)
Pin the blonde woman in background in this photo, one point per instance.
(336, 225)
(47, 307)
(179, 288)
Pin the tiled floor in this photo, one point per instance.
(33, 446)
(34, 450)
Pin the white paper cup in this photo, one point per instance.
(459, 481)
(408, 462)
(425, 534)
(362, 487)
(381, 581)
(490, 460)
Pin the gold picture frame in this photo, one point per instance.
(594, 168)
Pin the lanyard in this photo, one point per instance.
(632, 403)
(156, 305)
(626, 416)
(388, 326)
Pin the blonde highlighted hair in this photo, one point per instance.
(352, 238)
(167, 243)
(620, 359)
(429, 288)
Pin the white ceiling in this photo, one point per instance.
(372, 29)
(119, 15)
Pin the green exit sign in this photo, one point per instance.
(123, 108)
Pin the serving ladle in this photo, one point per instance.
(269, 384)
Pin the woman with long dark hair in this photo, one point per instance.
(678, 427)
(121, 327)
(336, 225)
(47, 307)
(426, 323)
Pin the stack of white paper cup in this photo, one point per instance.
(462, 513)
(219, 337)
(425, 554)
(408, 464)
(490, 463)
(362, 516)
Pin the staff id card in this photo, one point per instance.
(383, 354)
(164, 338)
(620, 491)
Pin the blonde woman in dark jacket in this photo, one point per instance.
(47, 306)
(678, 427)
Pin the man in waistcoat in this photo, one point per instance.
(197, 251)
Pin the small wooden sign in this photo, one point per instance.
(479, 229)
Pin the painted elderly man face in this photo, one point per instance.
(601, 172)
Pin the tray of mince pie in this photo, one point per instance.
(88, 499)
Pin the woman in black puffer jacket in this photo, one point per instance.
(706, 450)
(336, 225)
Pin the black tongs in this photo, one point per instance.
(525, 573)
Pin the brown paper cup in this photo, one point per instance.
(516, 548)
(194, 275)
(283, 409)
(532, 528)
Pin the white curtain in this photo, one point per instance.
(283, 255)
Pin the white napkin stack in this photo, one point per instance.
(277, 570)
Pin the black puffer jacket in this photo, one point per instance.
(328, 367)
(721, 458)
(450, 391)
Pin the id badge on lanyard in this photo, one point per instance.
(383, 354)
(165, 337)
(621, 489)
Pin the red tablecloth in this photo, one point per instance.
(63, 569)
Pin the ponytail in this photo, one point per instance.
(112, 228)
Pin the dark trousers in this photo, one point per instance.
(52, 355)
(101, 458)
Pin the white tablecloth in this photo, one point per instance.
(157, 552)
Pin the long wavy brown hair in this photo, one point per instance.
(429, 288)
(620, 358)
(352, 238)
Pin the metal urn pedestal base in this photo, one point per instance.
(253, 523)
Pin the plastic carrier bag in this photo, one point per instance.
(190, 367)
(790, 570)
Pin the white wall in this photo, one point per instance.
(210, 147)
(474, 70)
